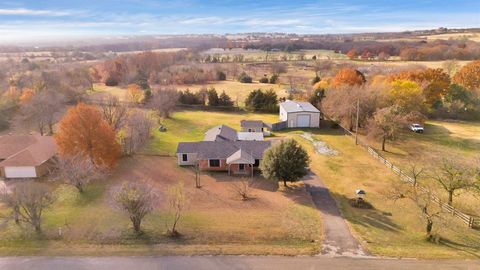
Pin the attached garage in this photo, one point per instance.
(20, 172)
(299, 114)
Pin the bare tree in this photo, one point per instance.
(41, 111)
(242, 188)
(138, 128)
(386, 123)
(414, 172)
(453, 177)
(28, 200)
(78, 171)
(177, 200)
(114, 112)
(137, 199)
(164, 101)
(423, 200)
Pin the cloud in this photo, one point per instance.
(34, 12)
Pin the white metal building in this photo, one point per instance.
(299, 114)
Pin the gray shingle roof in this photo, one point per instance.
(221, 133)
(223, 149)
(291, 106)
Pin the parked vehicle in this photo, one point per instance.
(417, 128)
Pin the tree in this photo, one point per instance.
(220, 75)
(113, 111)
(244, 78)
(258, 100)
(78, 171)
(83, 130)
(273, 79)
(242, 188)
(352, 54)
(27, 95)
(137, 199)
(135, 94)
(453, 177)
(469, 76)
(42, 109)
(177, 200)
(451, 67)
(423, 200)
(316, 98)
(349, 76)
(164, 101)
(28, 200)
(386, 123)
(285, 162)
(407, 95)
(212, 97)
(225, 100)
(136, 132)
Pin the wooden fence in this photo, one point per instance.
(470, 221)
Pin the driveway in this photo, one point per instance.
(339, 240)
(226, 262)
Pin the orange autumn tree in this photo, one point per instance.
(469, 76)
(83, 130)
(27, 95)
(348, 76)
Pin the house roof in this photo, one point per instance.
(221, 133)
(253, 124)
(26, 150)
(291, 106)
(240, 157)
(223, 149)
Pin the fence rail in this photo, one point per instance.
(470, 221)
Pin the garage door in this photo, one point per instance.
(303, 120)
(20, 172)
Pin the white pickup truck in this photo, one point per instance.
(417, 128)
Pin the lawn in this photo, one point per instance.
(100, 90)
(191, 126)
(276, 221)
(391, 228)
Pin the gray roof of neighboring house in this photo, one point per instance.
(221, 133)
(26, 150)
(291, 106)
(223, 149)
(254, 124)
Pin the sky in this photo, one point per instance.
(22, 20)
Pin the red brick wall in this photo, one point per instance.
(203, 164)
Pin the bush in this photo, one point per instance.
(221, 76)
(316, 79)
(111, 81)
(274, 79)
(244, 78)
(263, 80)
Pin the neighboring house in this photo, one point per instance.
(26, 156)
(236, 157)
(299, 114)
(225, 133)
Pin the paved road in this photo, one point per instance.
(227, 262)
(338, 238)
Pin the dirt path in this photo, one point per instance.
(339, 241)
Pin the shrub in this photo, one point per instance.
(244, 78)
(274, 79)
(316, 79)
(221, 76)
(111, 81)
(263, 80)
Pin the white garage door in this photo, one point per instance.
(303, 120)
(20, 172)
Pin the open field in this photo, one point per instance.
(453, 140)
(100, 90)
(258, 55)
(391, 228)
(215, 222)
(455, 36)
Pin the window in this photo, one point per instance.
(241, 167)
(214, 162)
(257, 163)
(184, 157)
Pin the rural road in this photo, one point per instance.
(338, 238)
(226, 262)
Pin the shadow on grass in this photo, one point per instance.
(91, 194)
(469, 249)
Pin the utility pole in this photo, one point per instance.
(358, 113)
